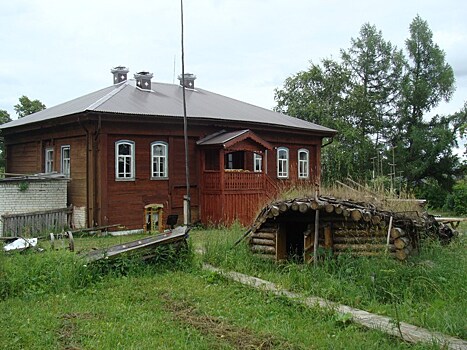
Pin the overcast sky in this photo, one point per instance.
(57, 50)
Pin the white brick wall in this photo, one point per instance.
(23, 196)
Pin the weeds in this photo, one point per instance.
(29, 274)
(428, 290)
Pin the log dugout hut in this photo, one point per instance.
(286, 230)
(122, 148)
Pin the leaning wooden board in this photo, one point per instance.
(176, 235)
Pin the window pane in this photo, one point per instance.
(282, 162)
(159, 160)
(124, 149)
(124, 160)
(158, 150)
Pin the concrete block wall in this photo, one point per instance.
(29, 195)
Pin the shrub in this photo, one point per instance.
(456, 201)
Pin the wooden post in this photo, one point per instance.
(327, 237)
(308, 240)
(315, 244)
(222, 181)
(389, 233)
(281, 244)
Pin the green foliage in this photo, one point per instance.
(428, 290)
(429, 78)
(4, 118)
(377, 99)
(30, 274)
(52, 300)
(23, 186)
(27, 106)
(434, 194)
(456, 201)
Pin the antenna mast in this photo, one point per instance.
(186, 198)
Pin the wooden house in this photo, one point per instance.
(123, 149)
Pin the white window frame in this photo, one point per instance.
(49, 160)
(257, 163)
(303, 164)
(65, 162)
(282, 163)
(130, 175)
(157, 160)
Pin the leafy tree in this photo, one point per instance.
(27, 106)
(457, 199)
(459, 122)
(376, 69)
(4, 118)
(377, 100)
(319, 95)
(356, 97)
(429, 79)
(424, 148)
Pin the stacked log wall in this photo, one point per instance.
(345, 227)
(263, 240)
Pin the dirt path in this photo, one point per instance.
(385, 324)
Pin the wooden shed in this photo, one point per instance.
(297, 228)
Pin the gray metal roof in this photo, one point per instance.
(220, 138)
(166, 100)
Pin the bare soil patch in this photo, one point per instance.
(238, 337)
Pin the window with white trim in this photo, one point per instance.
(49, 160)
(124, 160)
(282, 162)
(159, 157)
(65, 160)
(303, 163)
(257, 163)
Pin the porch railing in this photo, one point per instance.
(243, 181)
(236, 181)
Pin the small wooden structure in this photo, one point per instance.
(154, 218)
(287, 229)
(145, 247)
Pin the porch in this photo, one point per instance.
(234, 183)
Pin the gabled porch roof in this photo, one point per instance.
(228, 139)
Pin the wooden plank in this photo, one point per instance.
(175, 235)
(406, 331)
(281, 244)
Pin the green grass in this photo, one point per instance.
(175, 310)
(54, 300)
(429, 290)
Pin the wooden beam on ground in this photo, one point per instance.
(454, 222)
(406, 331)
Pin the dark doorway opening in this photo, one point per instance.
(295, 240)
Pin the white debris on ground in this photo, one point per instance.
(21, 243)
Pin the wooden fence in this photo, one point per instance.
(35, 223)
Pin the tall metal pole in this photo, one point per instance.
(187, 200)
